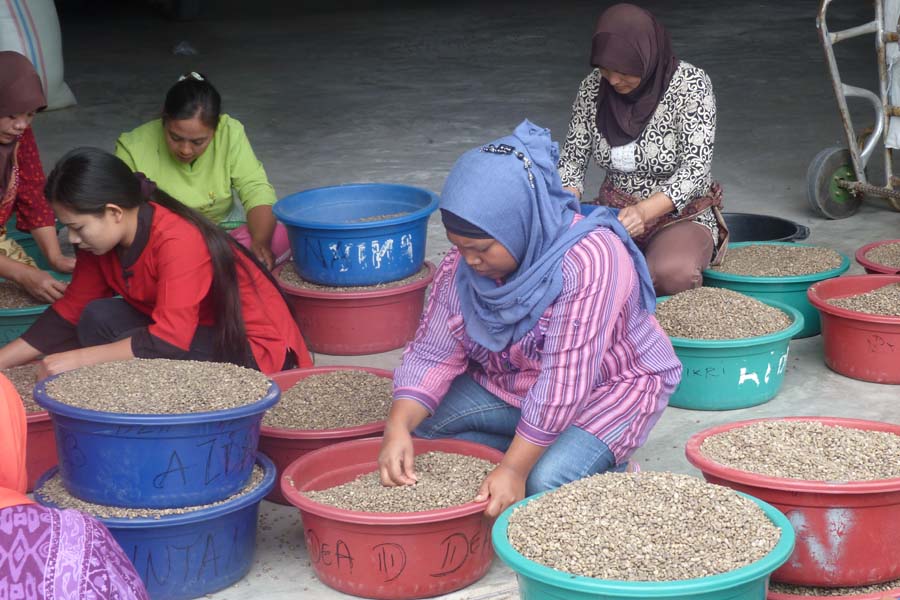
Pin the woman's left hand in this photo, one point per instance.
(633, 220)
(263, 253)
(503, 487)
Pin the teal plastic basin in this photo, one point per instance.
(788, 290)
(30, 246)
(16, 321)
(539, 582)
(731, 374)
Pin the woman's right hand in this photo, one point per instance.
(633, 220)
(41, 285)
(263, 253)
(396, 461)
(573, 191)
(63, 264)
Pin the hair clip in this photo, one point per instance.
(507, 149)
(521, 156)
(501, 149)
(192, 75)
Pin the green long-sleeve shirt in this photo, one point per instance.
(206, 184)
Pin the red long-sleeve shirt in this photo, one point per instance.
(167, 274)
(32, 208)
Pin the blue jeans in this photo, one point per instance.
(470, 412)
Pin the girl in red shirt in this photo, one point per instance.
(22, 182)
(188, 289)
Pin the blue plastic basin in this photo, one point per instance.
(196, 553)
(331, 246)
(155, 461)
(539, 582)
(789, 290)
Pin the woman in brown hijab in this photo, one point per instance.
(22, 182)
(649, 120)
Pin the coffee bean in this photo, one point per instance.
(53, 492)
(159, 386)
(767, 260)
(807, 450)
(798, 590)
(444, 480)
(288, 275)
(334, 400)
(23, 379)
(12, 295)
(645, 526)
(885, 254)
(883, 301)
(379, 217)
(708, 313)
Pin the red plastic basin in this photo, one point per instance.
(846, 532)
(872, 267)
(40, 446)
(389, 555)
(858, 345)
(893, 593)
(353, 323)
(284, 446)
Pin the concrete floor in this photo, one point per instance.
(396, 94)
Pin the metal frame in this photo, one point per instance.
(860, 156)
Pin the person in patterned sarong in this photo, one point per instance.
(46, 553)
(22, 183)
(649, 120)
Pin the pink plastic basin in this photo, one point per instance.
(353, 323)
(858, 345)
(284, 446)
(847, 532)
(389, 555)
(872, 267)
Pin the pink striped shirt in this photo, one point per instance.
(595, 359)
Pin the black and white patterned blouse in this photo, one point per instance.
(672, 155)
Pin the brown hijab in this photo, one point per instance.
(21, 91)
(628, 39)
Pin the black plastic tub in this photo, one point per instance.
(746, 227)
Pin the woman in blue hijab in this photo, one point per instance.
(538, 338)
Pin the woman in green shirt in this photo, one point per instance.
(201, 157)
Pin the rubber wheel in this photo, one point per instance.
(825, 196)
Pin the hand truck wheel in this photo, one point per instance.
(825, 196)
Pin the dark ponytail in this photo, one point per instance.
(85, 180)
(193, 96)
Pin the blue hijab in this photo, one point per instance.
(511, 189)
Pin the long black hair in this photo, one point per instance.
(86, 179)
(193, 96)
